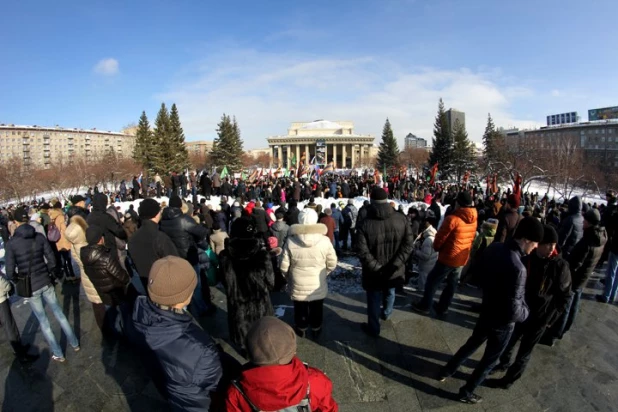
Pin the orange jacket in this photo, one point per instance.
(454, 240)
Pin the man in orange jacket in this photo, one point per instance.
(453, 243)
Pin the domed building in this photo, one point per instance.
(323, 142)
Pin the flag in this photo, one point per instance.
(517, 187)
(286, 174)
(243, 175)
(328, 168)
(253, 175)
(224, 172)
(466, 177)
(293, 160)
(494, 183)
(300, 164)
(434, 170)
(277, 172)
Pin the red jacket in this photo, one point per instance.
(454, 239)
(271, 388)
(330, 226)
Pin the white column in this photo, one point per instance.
(344, 162)
(307, 155)
(297, 155)
(334, 155)
(279, 156)
(360, 155)
(326, 153)
(289, 153)
(353, 155)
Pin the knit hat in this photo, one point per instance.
(593, 217)
(308, 217)
(148, 209)
(379, 195)
(464, 199)
(77, 198)
(351, 202)
(549, 235)
(93, 234)
(328, 211)
(175, 201)
(529, 228)
(271, 341)
(171, 281)
(20, 215)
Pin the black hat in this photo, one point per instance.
(175, 201)
(93, 234)
(378, 194)
(549, 235)
(77, 198)
(529, 228)
(21, 215)
(148, 209)
(464, 199)
(243, 228)
(593, 216)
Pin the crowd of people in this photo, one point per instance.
(148, 273)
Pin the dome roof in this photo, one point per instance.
(322, 124)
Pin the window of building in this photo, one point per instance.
(610, 131)
(602, 131)
(597, 131)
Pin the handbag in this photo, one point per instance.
(53, 233)
(24, 282)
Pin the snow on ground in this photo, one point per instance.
(541, 188)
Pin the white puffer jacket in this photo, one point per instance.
(308, 257)
(424, 252)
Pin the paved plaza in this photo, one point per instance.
(394, 372)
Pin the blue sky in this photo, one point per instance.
(99, 64)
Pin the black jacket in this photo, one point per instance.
(548, 287)
(384, 243)
(612, 228)
(504, 284)
(17, 256)
(104, 271)
(259, 217)
(206, 184)
(507, 223)
(184, 232)
(291, 217)
(586, 254)
(181, 357)
(149, 244)
(572, 227)
(99, 217)
(226, 189)
(77, 210)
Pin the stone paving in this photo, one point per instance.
(391, 373)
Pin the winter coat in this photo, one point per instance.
(99, 217)
(612, 228)
(338, 217)
(216, 181)
(38, 227)
(248, 276)
(504, 284)
(217, 241)
(206, 184)
(384, 243)
(308, 257)
(57, 218)
(424, 251)
(270, 217)
(184, 232)
(17, 256)
(280, 230)
(226, 189)
(104, 271)
(350, 214)
(76, 235)
(181, 357)
(149, 244)
(586, 254)
(291, 217)
(415, 225)
(548, 287)
(329, 222)
(572, 227)
(454, 240)
(275, 387)
(345, 190)
(507, 223)
(296, 195)
(221, 220)
(77, 210)
(259, 217)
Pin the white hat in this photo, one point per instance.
(308, 216)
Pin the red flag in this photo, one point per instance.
(517, 187)
(494, 183)
(434, 170)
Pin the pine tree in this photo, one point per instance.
(162, 159)
(143, 153)
(179, 156)
(491, 143)
(442, 152)
(464, 151)
(388, 154)
(227, 148)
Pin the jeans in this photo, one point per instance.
(497, 338)
(434, 279)
(530, 333)
(48, 293)
(379, 303)
(611, 283)
(308, 314)
(336, 236)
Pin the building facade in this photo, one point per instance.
(323, 142)
(199, 147)
(562, 118)
(454, 115)
(40, 146)
(414, 142)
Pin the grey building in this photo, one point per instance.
(453, 115)
(414, 142)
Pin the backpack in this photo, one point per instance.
(303, 406)
(53, 233)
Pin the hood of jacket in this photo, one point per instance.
(380, 211)
(278, 226)
(171, 213)
(595, 236)
(25, 231)
(159, 327)
(242, 249)
(429, 232)
(575, 205)
(99, 202)
(276, 387)
(307, 235)
(467, 214)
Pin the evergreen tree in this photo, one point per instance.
(162, 159)
(179, 156)
(388, 154)
(491, 143)
(464, 151)
(227, 148)
(442, 151)
(144, 152)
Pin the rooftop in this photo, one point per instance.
(57, 129)
(322, 124)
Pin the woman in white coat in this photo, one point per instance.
(308, 258)
(424, 254)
